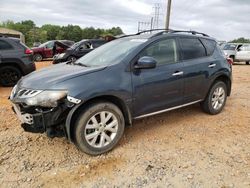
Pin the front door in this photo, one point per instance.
(162, 87)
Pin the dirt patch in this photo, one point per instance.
(182, 148)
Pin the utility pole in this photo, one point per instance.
(168, 14)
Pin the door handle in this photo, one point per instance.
(212, 65)
(178, 73)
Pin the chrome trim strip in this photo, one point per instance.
(166, 110)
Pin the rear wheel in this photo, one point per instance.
(38, 57)
(99, 128)
(247, 62)
(216, 98)
(9, 76)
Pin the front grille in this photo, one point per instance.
(26, 93)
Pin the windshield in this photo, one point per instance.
(48, 44)
(110, 53)
(229, 47)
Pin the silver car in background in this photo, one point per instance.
(243, 54)
(230, 49)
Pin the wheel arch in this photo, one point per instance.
(13, 64)
(72, 116)
(226, 79)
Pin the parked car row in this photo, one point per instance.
(50, 48)
(238, 52)
(17, 60)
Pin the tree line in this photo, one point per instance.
(47, 32)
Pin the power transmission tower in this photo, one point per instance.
(156, 9)
(144, 26)
(168, 14)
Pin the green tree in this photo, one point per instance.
(241, 40)
(47, 32)
(52, 31)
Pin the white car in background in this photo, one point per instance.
(230, 49)
(243, 54)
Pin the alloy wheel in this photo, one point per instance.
(101, 129)
(218, 98)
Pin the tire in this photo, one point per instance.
(233, 58)
(38, 57)
(71, 58)
(93, 139)
(247, 62)
(218, 92)
(9, 76)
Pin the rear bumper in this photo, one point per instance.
(28, 68)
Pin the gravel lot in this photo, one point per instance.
(182, 148)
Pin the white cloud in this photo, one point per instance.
(224, 19)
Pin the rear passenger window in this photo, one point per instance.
(164, 52)
(210, 46)
(4, 45)
(192, 48)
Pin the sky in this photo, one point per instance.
(221, 19)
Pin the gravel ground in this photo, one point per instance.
(182, 148)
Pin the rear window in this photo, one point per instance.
(96, 44)
(229, 47)
(192, 48)
(245, 48)
(5, 45)
(209, 45)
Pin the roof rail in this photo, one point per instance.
(191, 32)
(166, 31)
(145, 31)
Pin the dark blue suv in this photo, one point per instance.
(92, 99)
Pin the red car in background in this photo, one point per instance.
(46, 50)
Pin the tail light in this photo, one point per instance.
(230, 61)
(28, 51)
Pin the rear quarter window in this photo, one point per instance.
(192, 48)
(5, 45)
(209, 45)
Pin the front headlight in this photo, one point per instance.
(46, 98)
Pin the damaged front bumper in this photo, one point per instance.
(41, 120)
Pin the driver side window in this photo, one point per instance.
(164, 52)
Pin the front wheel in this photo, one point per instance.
(216, 98)
(247, 62)
(71, 58)
(99, 128)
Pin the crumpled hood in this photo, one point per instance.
(47, 77)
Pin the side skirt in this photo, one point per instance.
(166, 110)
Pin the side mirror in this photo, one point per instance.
(146, 63)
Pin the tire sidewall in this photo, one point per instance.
(71, 58)
(38, 55)
(18, 72)
(81, 123)
(216, 85)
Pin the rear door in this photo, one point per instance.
(198, 64)
(162, 87)
(6, 51)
